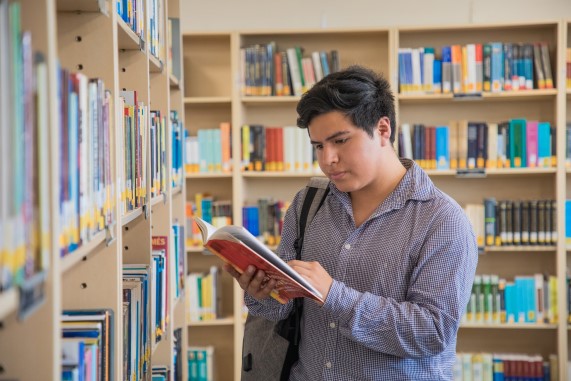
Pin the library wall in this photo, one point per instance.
(256, 14)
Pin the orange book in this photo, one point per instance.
(278, 75)
(226, 144)
(279, 148)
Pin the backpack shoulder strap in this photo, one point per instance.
(316, 191)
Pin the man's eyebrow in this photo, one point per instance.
(332, 137)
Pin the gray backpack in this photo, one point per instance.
(270, 349)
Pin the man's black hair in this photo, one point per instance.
(357, 92)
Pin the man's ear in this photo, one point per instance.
(384, 130)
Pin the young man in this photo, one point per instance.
(393, 256)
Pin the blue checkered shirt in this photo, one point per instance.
(401, 282)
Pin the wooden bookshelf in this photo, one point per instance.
(89, 37)
(212, 65)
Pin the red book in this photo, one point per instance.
(238, 247)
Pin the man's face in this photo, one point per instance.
(347, 155)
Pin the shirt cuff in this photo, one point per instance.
(341, 301)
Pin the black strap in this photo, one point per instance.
(292, 354)
(298, 244)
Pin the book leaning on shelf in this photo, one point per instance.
(238, 247)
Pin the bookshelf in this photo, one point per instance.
(90, 38)
(213, 95)
(524, 184)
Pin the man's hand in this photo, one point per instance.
(315, 274)
(253, 281)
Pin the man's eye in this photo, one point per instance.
(318, 146)
(341, 141)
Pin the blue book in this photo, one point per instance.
(442, 147)
(497, 69)
(510, 302)
(446, 70)
(544, 144)
(437, 76)
(498, 369)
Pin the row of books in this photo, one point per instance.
(24, 154)
(155, 28)
(133, 13)
(526, 299)
(204, 297)
(145, 308)
(87, 345)
(86, 170)
(178, 149)
(568, 68)
(178, 358)
(474, 68)
(200, 363)
(158, 141)
(160, 373)
(263, 218)
(210, 150)
(483, 366)
(514, 222)
(133, 138)
(263, 148)
(178, 257)
(269, 148)
(139, 126)
(265, 71)
(136, 319)
(463, 144)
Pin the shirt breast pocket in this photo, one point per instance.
(385, 271)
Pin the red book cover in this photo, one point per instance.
(238, 247)
(159, 243)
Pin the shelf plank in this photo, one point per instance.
(508, 326)
(126, 37)
(176, 190)
(155, 65)
(207, 100)
(252, 100)
(160, 199)
(269, 174)
(496, 172)
(174, 82)
(82, 5)
(131, 216)
(208, 175)
(212, 323)
(71, 259)
(537, 248)
(536, 94)
(8, 302)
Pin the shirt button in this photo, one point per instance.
(328, 364)
(347, 246)
(332, 325)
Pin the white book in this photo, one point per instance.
(317, 66)
(416, 73)
(289, 147)
(471, 77)
(407, 142)
(43, 164)
(428, 72)
(295, 71)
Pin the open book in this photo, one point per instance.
(240, 248)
